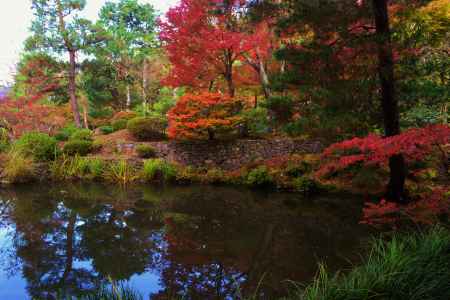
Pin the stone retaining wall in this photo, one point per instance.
(227, 155)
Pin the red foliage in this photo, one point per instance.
(201, 116)
(414, 144)
(203, 44)
(425, 211)
(40, 75)
(24, 115)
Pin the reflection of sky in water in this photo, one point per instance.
(13, 286)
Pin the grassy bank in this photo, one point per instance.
(16, 167)
(413, 267)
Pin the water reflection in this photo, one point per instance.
(196, 242)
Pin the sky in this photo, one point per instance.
(15, 20)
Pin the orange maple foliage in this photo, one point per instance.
(203, 116)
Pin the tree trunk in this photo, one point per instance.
(231, 89)
(72, 64)
(72, 89)
(264, 78)
(396, 187)
(128, 104)
(144, 86)
(229, 73)
(85, 117)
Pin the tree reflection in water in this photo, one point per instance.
(203, 242)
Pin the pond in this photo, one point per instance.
(198, 242)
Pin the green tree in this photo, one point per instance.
(58, 29)
(131, 37)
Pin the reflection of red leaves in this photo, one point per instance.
(382, 213)
(415, 144)
(425, 211)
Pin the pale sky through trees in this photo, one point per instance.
(15, 20)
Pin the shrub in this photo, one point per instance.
(305, 185)
(281, 106)
(107, 129)
(121, 172)
(119, 124)
(204, 116)
(81, 135)
(412, 266)
(145, 151)
(155, 169)
(147, 128)
(18, 168)
(77, 147)
(124, 115)
(259, 177)
(65, 133)
(39, 146)
(297, 169)
(296, 128)
(257, 121)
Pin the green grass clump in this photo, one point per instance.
(145, 151)
(259, 177)
(120, 172)
(39, 146)
(77, 147)
(305, 185)
(18, 167)
(157, 169)
(413, 267)
(77, 167)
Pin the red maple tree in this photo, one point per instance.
(203, 40)
(203, 116)
(414, 144)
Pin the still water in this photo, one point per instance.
(195, 242)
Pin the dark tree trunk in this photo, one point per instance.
(229, 73)
(396, 187)
(230, 83)
(211, 134)
(72, 64)
(72, 89)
